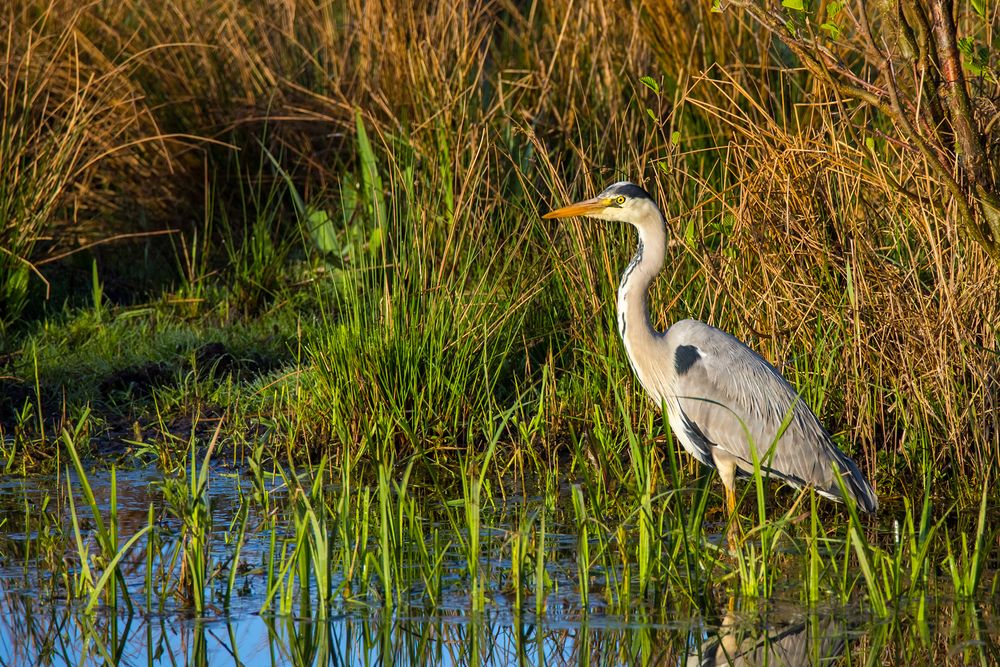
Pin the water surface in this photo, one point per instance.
(43, 622)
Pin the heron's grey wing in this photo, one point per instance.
(733, 397)
(794, 643)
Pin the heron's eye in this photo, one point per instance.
(620, 199)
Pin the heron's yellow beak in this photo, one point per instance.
(585, 207)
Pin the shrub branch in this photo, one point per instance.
(932, 112)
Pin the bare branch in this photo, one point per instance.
(933, 113)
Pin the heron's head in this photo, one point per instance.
(622, 202)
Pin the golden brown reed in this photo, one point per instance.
(821, 247)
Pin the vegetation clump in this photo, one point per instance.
(303, 238)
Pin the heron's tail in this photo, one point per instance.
(857, 486)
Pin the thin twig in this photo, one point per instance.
(110, 239)
(34, 269)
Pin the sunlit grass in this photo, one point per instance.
(416, 383)
(403, 538)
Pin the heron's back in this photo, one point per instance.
(719, 393)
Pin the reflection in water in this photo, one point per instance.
(56, 636)
(814, 639)
(39, 626)
(32, 634)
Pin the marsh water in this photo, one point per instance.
(250, 619)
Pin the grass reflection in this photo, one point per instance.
(34, 633)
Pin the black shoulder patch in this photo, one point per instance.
(685, 357)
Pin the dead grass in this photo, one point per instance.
(807, 242)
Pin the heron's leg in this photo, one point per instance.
(726, 466)
(733, 535)
(728, 640)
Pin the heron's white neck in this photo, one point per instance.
(633, 292)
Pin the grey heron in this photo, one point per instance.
(725, 403)
(786, 638)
